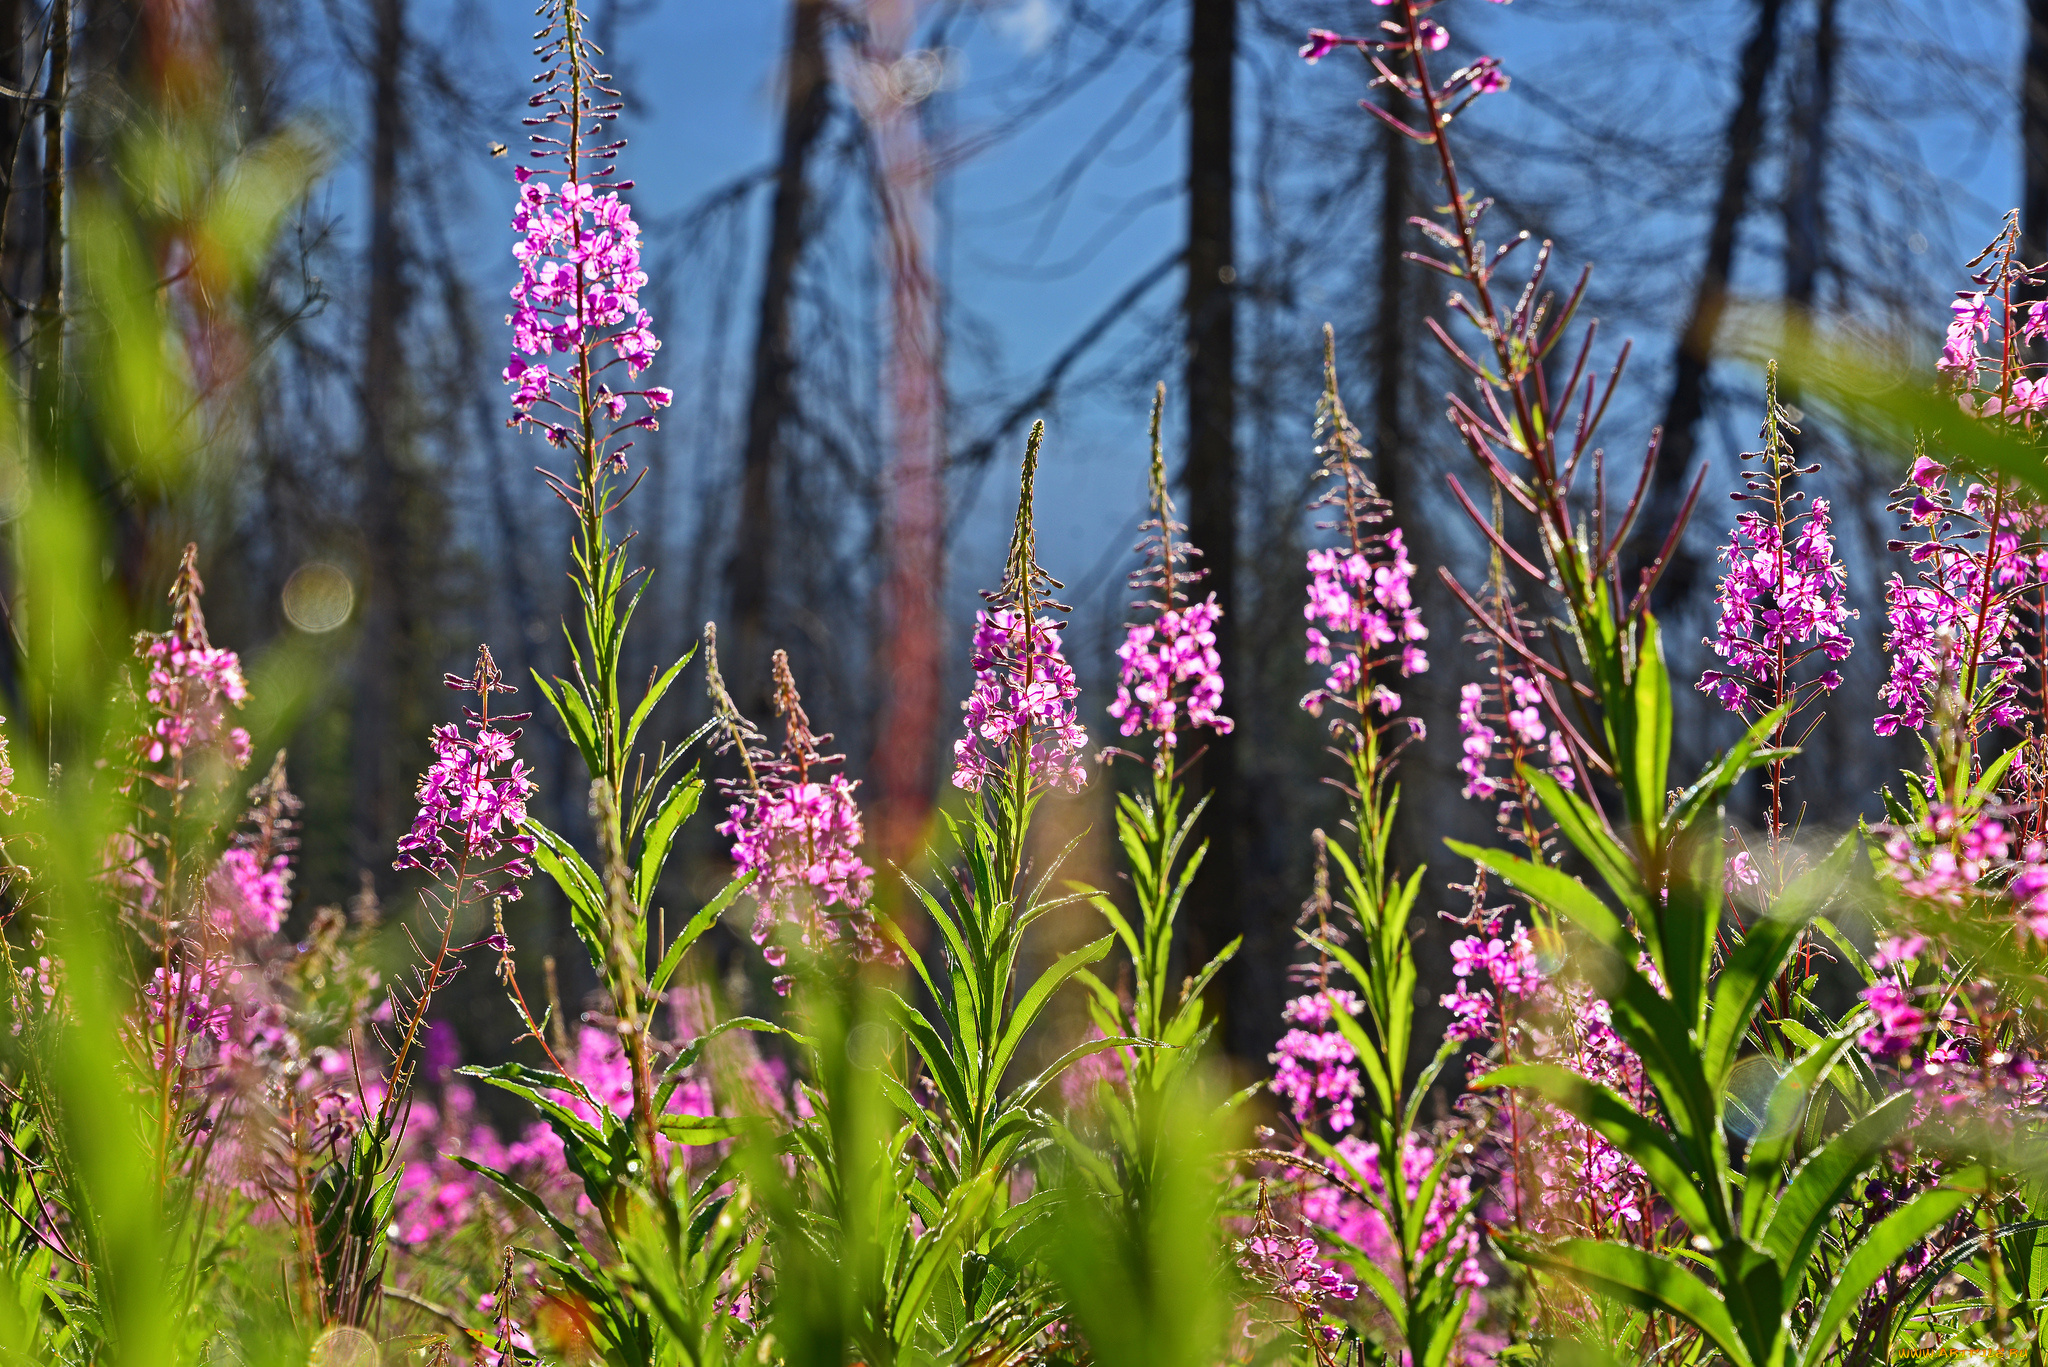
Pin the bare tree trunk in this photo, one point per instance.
(804, 106)
(1390, 348)
(908, 662)
(1806, 174)
(381, 514)
(49, 322)
(1687, 401)
(1216, 912)
(2034, 132)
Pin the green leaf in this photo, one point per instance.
(1033, 1001)
(1714, 784)
(589, 910)
(654, 693)
(1644, 1280)
(1772, 1147)
(1763, 951)
(568, 704)
(571, 1240)
(706, 918)
(1809, 1200)
(677, 805)
(700, 1130)
(1880, 1250)
(1559, 892)
(1650, 765)
(1581, 825)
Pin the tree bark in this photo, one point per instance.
(1806, 175)
(909, 664)
(1695, 351)
(2034, 133)
(805, 102)
(49, 323)
(1210, 475)
(1390, 348)
(381, 515)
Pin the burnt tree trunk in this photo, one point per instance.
(1210, 476)
(2034, 133)
(1686, 403)
(908, 661)
(1806, 173)
(381, 497)
(805, 102)
(49, 319)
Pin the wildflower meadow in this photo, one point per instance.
(1767, 1093)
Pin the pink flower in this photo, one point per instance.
(579, 290)
(469, 812)
(1777, 602)
(1899, 1023)
(250, 898)
(1024, 689)
(1177, 648)
(1313, 1067)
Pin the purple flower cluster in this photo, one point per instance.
(1314, 1066)
(1899, 1025)
(1290, 1270)
(191, 685)
(470, 812)
(801, 840)
(1024, 689)
(1366, 618)
(1363, 1227)
(248, 897)
(1510, 964)
(1777, 604)
(1527, 738)
(579, 290)
(1957, 617)
(1177, 648)
(1969, 323)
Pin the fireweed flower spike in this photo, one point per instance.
(1782, 598)
(1362, 619)
(191, 683)
(467, 834)
(1171, 678)
(470, 813)
(579, 286)
(797, 831)
(1022, 726)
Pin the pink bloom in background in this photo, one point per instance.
(1159, 657)
(1361, 616)
(250, 898)
(1023, 686)
(191, 683)
(1313, 1067)
(1777, 603)
(1969, 323)
(1509, 965)
(1329, 1207)
(1934, 623)
(797, 830)
(1529, 739)
(1899, 1023)
(801, 840)
(469, 811)
(1081, 1081)
(191, 686)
